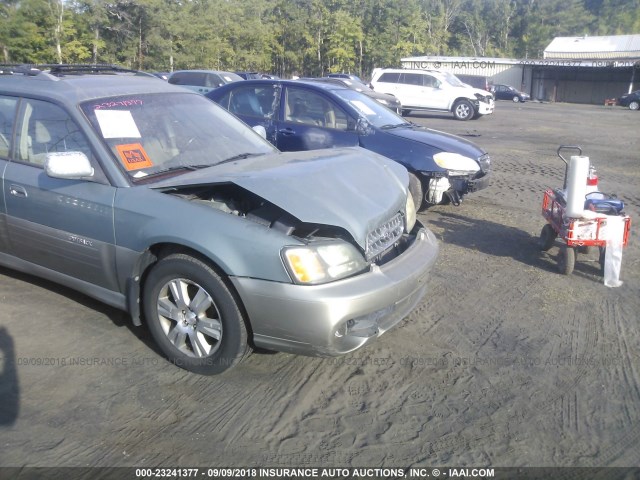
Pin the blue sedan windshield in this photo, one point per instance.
(378, 115)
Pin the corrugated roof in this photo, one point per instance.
(608, 47)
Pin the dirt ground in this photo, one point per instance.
(504, 363)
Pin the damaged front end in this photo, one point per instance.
(318, 253)
(343, 292)
(460, 175)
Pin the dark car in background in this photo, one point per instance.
(388, 101)
(202, 81)
(507, 92)
(249, 75)
(305, 115)
(630, 100)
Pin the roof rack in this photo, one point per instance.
(17, 68)
(57, 69)
(67, 69)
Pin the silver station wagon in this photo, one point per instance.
(153, 199)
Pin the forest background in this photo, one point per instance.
(295, 37)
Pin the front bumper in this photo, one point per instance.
(485, 108)
(464, 185)
(342, 316)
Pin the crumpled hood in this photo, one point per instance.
(352, 188)
(442, 141)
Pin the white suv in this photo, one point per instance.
(433, 90)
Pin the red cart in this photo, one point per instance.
(578, 234)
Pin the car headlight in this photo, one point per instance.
(322, 263)
(456, 164)
(410, 213)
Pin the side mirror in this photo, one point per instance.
(260, 130)
(69, 165)
(363, 127)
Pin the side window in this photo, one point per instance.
(389, 78)
(412, 78)
(310, 108)
(252, 101)
(430, 81)
(225, 100)
(213, 80)
(48, 128)
(176, 79)
(188, 78)
(7, 118)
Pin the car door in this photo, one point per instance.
(310, 120)
(412, 93)
(389, 83)
(434, 93)
(254, 104)
(60, 224)
(8, 108)
(502, 92)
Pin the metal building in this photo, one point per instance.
(498, 70)
(574, 69)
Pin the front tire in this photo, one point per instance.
(463, 110)
(566, 260)
(193, 316)
(405, 112)
(416, 190)
(547, 237)
(634, 105)
(515, 99)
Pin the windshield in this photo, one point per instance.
(377, 114)
(155, 133)
(453, 80)
(354, 85)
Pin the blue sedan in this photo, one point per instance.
(300, 115)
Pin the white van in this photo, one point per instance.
(434, 91)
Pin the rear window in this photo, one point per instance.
(389, 78)
(198, 79)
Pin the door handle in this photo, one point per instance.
(17, 191)
(286, 131)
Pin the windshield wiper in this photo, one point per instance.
(240, 156)
(175, 168)
(396, 125)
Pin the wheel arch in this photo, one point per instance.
(155, 253)
(472, 101)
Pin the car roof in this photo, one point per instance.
(203, 71)
(74, 85)
(311, 83)
(406, 70)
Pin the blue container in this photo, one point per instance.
(602, 203)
